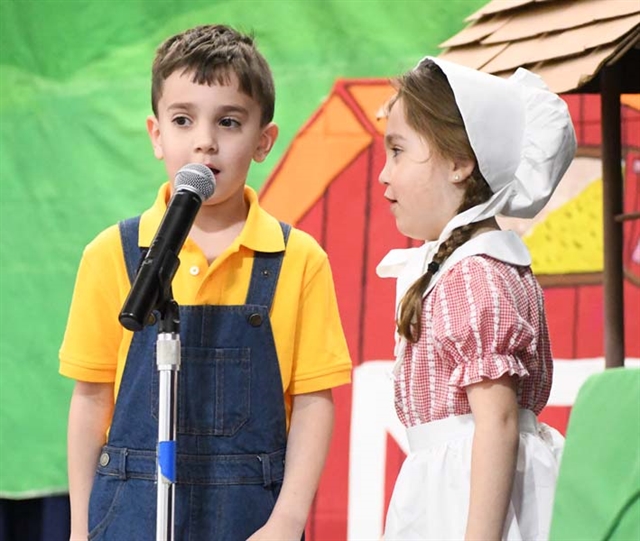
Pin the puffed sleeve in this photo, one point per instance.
(480, 323)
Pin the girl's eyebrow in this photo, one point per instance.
(390, 138)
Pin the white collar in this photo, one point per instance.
(407, 265)
(501, 245)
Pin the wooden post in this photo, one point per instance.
(612, 200)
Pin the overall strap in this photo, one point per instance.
(265, 272)
(132, 252)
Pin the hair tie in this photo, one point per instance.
(433, 267)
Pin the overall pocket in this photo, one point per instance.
(214, 388)
(102, 502)
(122, 509)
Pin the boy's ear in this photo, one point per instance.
(153, 128)
(265, 144)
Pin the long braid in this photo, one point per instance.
(410, 316)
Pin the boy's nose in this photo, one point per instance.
(205, 142)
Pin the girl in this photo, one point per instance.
(473, 360)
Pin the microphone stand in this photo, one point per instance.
(168, 365)
(151, 291)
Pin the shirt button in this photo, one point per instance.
(194, 270)
(104, 459)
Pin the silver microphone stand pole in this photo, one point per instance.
(168, 365)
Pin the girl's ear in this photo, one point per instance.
(462, 170)
(153, 129)
(267, 140)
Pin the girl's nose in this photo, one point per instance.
(383, 177)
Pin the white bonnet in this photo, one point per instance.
(521, 134)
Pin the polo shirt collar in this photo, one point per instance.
(261, 231)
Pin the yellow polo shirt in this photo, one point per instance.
(308, 335)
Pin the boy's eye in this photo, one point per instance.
(181, 121)
(394, 151)
(228, 122)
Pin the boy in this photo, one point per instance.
(244, 340)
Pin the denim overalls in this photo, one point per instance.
(231, 421)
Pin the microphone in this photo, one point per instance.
(194, 183)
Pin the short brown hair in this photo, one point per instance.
(212, 53)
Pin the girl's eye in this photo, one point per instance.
(229, 122)
(181, 121)
(395, 151)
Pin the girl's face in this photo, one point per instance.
(425, 190)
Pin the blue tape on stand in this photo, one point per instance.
(167, 459)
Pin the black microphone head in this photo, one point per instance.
(196, 178)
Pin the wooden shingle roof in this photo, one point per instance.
(566, 42)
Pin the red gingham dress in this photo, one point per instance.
(483, 318)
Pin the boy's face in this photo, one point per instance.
(217, 126)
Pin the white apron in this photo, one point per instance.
(431, 495)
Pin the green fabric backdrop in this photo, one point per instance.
(74, 155)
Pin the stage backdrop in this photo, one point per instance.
(74, 158)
